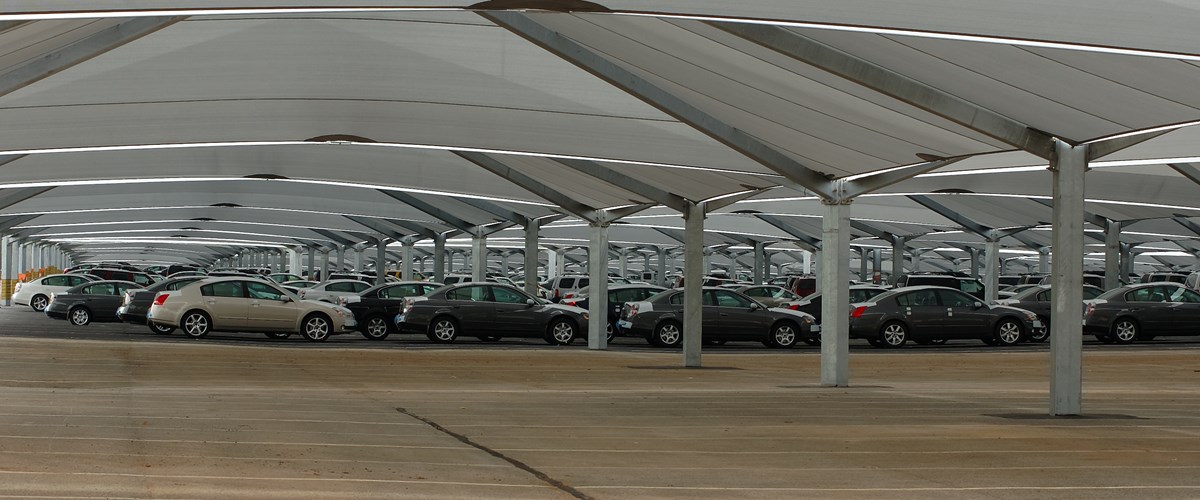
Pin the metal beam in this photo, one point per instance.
(431, 210)
(95, 44)
(497, 210)
(1188, 170)
(538, 188)
(10, 197)
(628, 183)
(1104, 147)
(335, 237)
(594, 63)
(811, 242)
(376, 225)
(874, 182)
(895, 85)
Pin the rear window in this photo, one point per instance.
(56, 281)
(566, 283)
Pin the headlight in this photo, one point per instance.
(343, 311)
(585, 316)
(1031, 316)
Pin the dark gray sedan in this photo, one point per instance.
(1037, 299)
(95, 301)
(812, 304)
(618, 295)
(933, 315)
(728, 315)
(1143, 311)
(137, 301)
(489, 311)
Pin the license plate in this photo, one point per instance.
(1037, 324)
(624, 324)
(816, 328)
(398, 319)
(350, 323)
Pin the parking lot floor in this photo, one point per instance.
(88, 418)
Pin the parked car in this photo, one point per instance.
(968, 285)
(1037, 299)
(284, 277)
(727, 316)
(562, 286)
(91, 301)
(1010, 291)
(1157, 277)
(136, 302)
(489, 311)
(618, 295)
(770, 295)
(933, 315)
(138, 277)
(247, 304)
(329, 291)
(802, 285)
(812, 304)
(452, 279)
(375, 307)
(1031, 279)
(1141, 312)
(1089, 279)
(36, 293)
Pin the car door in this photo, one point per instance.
(1149, 307)
(472, 306)
(923, 312)
(735, 316)
(963, 319)
(226, 302)
(93, 296)
(269, 309)
(1185, 311)
(391, 298)
(513, 312)
(106, 306)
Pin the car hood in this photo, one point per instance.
(789, 312)
(576, 310)
(1000, 307)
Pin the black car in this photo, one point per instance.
(1037, 300)
(95, 301)
(1143, 311)
(933, 315)
(489, 311)
(618, 295)
(728, 315)
(812, 304)
(136, 302)
(376, 306)
(966, 284)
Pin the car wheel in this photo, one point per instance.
(278, 335)
(161, 329)
(196, 324)
(39, 302)
(610, 332)
(893, 334)
(1124, 331)
(1008, 332)
(783, 335)
(1042, 333)
(560, 332)
(80, 316)
(667, 334)
(316, 328)
(443, 330)
(375, 328)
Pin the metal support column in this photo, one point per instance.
(531, 257)
(598, 287)
(479, 257)
(381, 261)
(1112, 255)
(835, 294)
(991, 271)
(1044, 260)
(862, 263)
(341, 258)
(973, 254)
(1066, 337)
(876, 266)
(406, 260)
(8, 278)
(358, 258)
(693, 284)
(898, 258)
(310, 271)
(439, 258)
(661, 278)
(622, 264)
(760, 261)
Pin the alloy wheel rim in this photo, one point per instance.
(316, 328)
(444, 330)
(893, 334)
(79, 317)
(376, 327)
(784, 335)
(1009, 333)
(1125, 330)
(669, 334)
(563, 332)
(39, 303)
(195, 324)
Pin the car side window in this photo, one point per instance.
(758, 292)
(951, 298)
(970, 286)
(345, 286)
(471, 293)
(728, 299)
(677, 299)
(918, 298)
(1091, 293)
(180, 284)
(223, 289)
(583, 283)
(263, 291)
(708, 299)
(398, 292)
(1181, 294)
(1139, 295)
(56, 281)
(359, 286)
(566, 283)
(100, 289)
(122, 287)
(506, 296)
(142, 279)
(1044, 296)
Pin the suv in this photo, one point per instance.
(138, 277)
(802, 285)
(968, 285)
(1172, 277)
(561, 286)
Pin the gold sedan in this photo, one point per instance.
(237, 304)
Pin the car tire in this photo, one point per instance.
(160, 329)
(277, 335)
(893, 334)
(375, 328)
(1124, 330)
(316, 328)
(667, 334)
(1009, 332)
(1039, 335)
(39, 302)
(79, 316)
(561, 332)
(784, 335)
(610, 331)
(443, 330)
(196, 325)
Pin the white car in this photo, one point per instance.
(329, 291)
(36, 293)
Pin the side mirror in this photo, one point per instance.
(754, 306)
(530, 302)
(285, 299)
(978, 304)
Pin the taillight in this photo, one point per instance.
(858, 311)
(19, 283)
(128, 298)
(342, 300)
(794, 307)
(160, 299)
(1091, 308)
(633, 310)
(408, 305)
